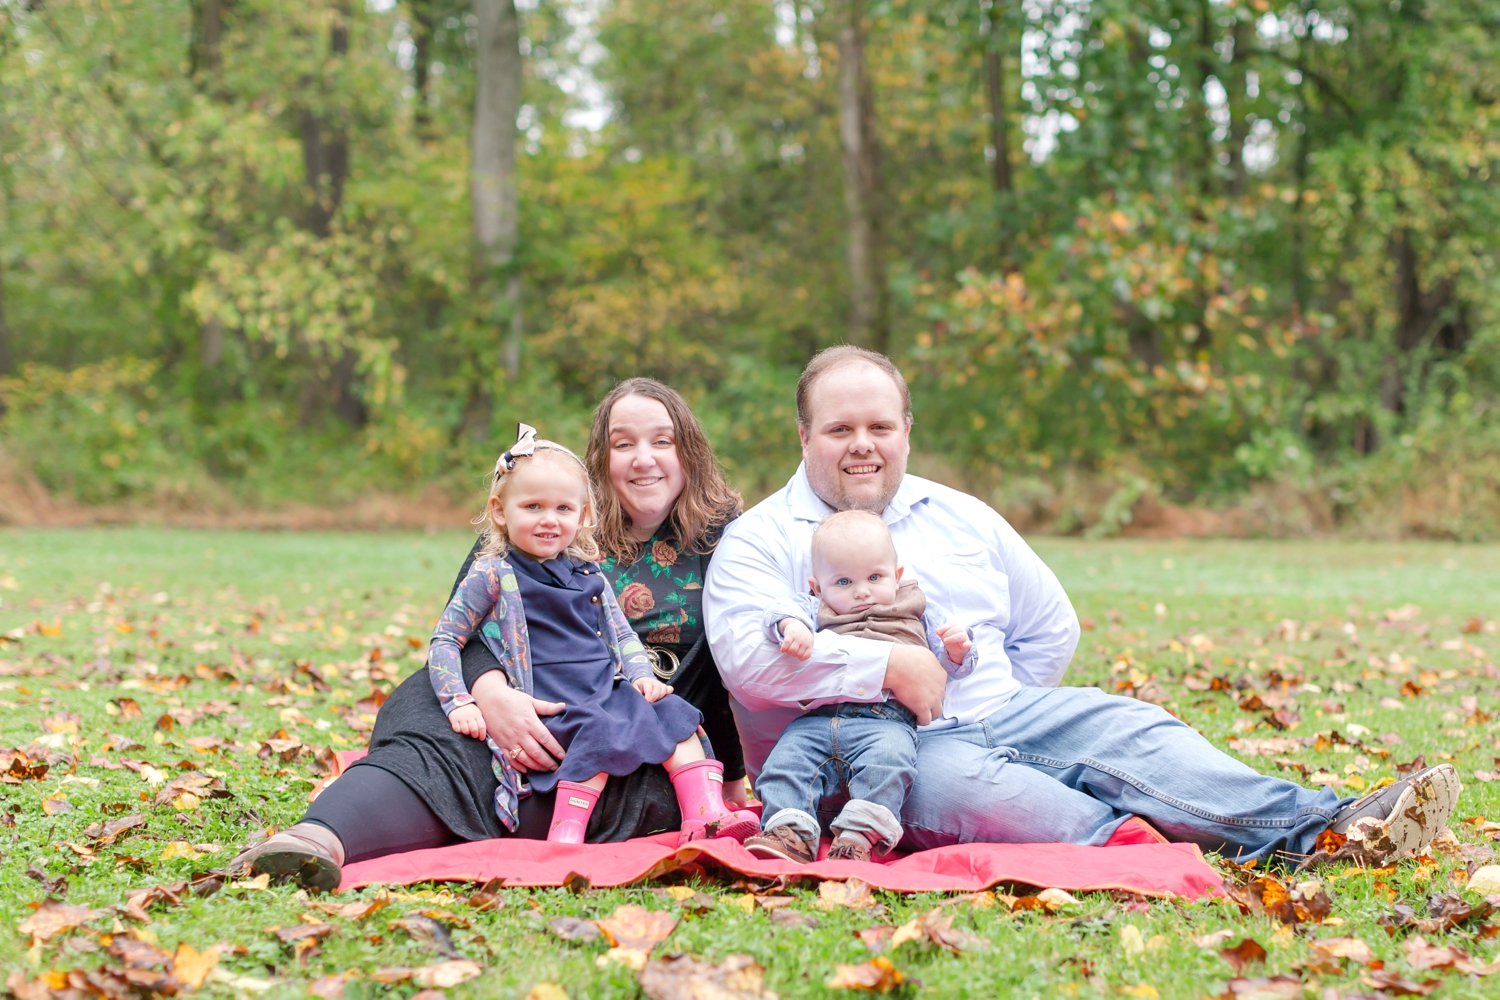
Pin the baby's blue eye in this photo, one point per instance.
(874, 577)
(843, 581)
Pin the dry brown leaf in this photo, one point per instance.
(332, 987)
(1421, 955)
(1212, 940)
(1274, 988)
(574, 929)
(852, 893)
(354, 911)
(192, 966)
(636, 927)
(1247, 952)
(137, 900)
(1392, 982)
(877, 938)
(875, 976)
(53, 918)
(547, 991)
(446, 975)
(487, 897)
(774, 902)
(681, 977)
(794, 918)
(1352, 948)
(301, 932)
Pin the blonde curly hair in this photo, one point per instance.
(494, 540)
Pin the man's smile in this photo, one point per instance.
(863, 469)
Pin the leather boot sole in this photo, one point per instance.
(1417, 817)
(308, 869)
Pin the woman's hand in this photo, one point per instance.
(512, 719)
(467, 720)
(651, 689)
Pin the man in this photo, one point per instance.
(1005, 755)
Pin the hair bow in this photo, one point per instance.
(525, 446)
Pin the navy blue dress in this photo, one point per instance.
(606, 726)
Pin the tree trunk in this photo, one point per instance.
(994, 82)
(4, 332)
(497, 101)
(325, 148)
(869, 323)
(205, 56)
(1238, 128)
(424, 23)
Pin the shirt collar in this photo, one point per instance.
(808, 506)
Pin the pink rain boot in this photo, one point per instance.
(700, 787)
(570, 815)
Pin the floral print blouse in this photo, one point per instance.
(661, 593)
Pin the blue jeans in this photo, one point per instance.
(1071, 764)
(870, 751)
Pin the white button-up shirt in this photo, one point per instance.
(973, 566)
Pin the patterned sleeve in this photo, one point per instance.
(629, 652)
(472, 601)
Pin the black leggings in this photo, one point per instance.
(374, 813)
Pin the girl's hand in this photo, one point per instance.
(467, 720)
(796, 638)
(652, 689)
(955, 641)
(511, 717)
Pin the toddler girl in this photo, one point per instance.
(536, 598)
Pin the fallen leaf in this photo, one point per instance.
(1210, 941)
(1053, 900)
(936, 927)
(429, 932)
(636, 927)
(487, 897)
(774, 902)
(1486, 880)
(574, 929)
(1281, 987)
(442, 975)
(1392, 982)
(1131, 941)
(53, 918)
(302, 932)
(1144, 991)
(332, 987)
(57, 803)
(794, 918)
(191, 966)
(137, 900)
(179, 849)
(108, 833)
(1421, 955)
(681, 977)
(1247, 952)
(53, 886)
(632, 958)
(852, 893)
(547, 991)
(354, 911)
(877, 938)
(1352, 948)
(876, 976)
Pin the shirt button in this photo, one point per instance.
(594, 599)
(860, 691)
(599, 633)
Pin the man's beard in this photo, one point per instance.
(831, 490)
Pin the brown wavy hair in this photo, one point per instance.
(707, 502)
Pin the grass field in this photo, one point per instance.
(186, 643)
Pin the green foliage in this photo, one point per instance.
(1245, 242)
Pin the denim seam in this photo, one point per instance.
(1175, 803)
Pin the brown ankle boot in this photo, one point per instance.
(307, 853)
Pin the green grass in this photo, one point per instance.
(137, 606)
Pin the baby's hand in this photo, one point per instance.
(468, 720)
(956, 641)
(652, 689)
(796, 638)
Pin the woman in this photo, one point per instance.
(663, 504)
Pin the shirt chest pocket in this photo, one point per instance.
(976, 592)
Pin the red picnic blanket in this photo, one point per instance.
(1137, 859)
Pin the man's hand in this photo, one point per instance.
(955, 639)
(467, 720)
(651, 689)
(796, 638)
(914, 677)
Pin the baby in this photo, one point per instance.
(856, 590)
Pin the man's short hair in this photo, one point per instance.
(839, 356)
